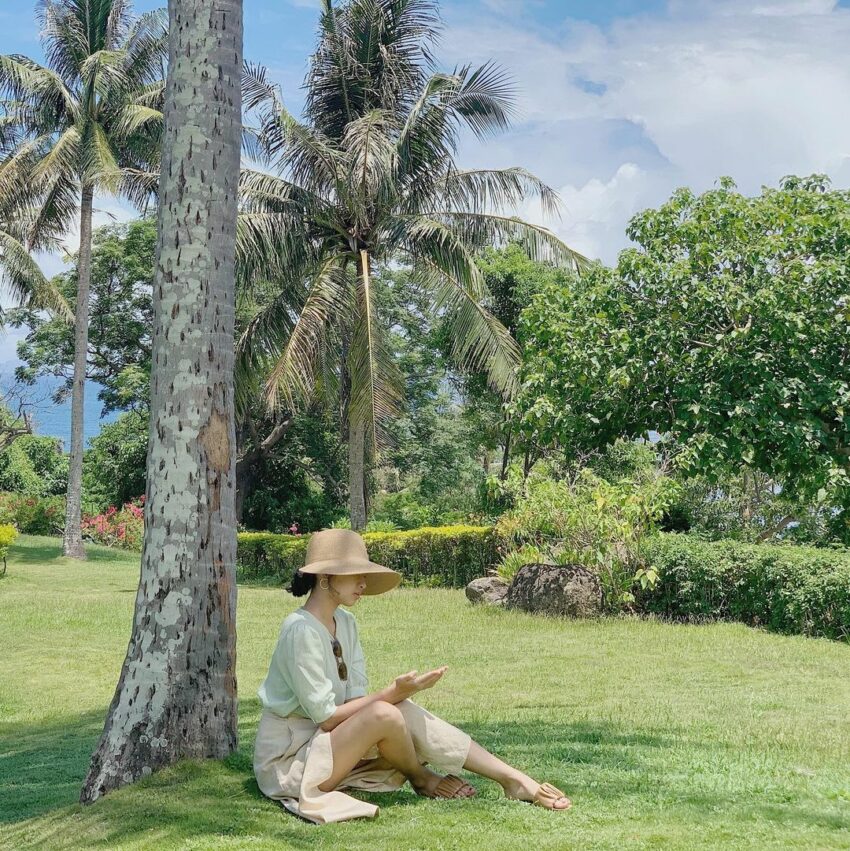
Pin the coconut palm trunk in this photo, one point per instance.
(357, 474)
(72, 544)
(176, 696)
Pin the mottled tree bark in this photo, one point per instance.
(72, 543)
(176, 696)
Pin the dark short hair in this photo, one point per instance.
(302, 583)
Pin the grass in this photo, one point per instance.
(665, 736)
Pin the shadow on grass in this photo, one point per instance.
(43, 549)
(43, 766)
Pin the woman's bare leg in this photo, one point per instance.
(512, 780)
(382, 724)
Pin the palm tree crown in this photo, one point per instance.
(370, 176)
(91, 116)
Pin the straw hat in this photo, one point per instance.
(341, 552)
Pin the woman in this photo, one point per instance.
(321, 731)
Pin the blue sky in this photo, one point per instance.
(620, 101)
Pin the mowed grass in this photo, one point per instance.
(665, 736)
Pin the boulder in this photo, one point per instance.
(490, 590)
(568, 590)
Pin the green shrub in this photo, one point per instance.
(784, 588)
(32, 515)
(8, 534)
(443, 555)
(590, 521)
(515, 559)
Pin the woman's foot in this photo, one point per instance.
(433, 785)
(543, 794)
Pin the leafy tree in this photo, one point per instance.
(86, 122)
(114, 464)
(369, 177)
(726, 329)
(119, 338)
(299, 479)
(432, 468)
(512, 278)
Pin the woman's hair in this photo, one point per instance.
(302, 583)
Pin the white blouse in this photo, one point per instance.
(303, 677)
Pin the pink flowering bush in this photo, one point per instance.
(117, 528)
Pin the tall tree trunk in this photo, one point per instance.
(176, 696)
(244, 470)
(72, 543)
(357, 474)
(506, 453)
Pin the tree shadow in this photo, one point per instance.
(42, 768)
(43, 550)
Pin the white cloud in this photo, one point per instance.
(752, 90)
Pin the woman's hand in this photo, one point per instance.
(411, 682)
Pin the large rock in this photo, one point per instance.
(490, 590)
(568, 590)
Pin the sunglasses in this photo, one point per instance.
(341, 667)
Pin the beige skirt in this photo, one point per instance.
(293, 757)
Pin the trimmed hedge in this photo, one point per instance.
(785, 588)
(441, 555)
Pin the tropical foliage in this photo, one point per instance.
(369, 177)
(88, 121)
(725, 329)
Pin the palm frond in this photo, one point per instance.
(42, 90)
(429, 239)
(138, 186)
(132, 117)
(292, 376)
(260, 344)
(486, 190)
(487, 229)
(68, 35)
(103, 73)
(372, 162)
(24, 281)
(258, 90)
(64, 156)
(146, 49)
(479, 341)
(484, 98)
(100, 166)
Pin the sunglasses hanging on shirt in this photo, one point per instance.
(341, 667)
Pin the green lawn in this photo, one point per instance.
(664, 736)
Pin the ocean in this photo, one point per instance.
(54, 420)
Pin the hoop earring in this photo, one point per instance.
(326, 586)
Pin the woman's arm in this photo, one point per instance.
(400, 689)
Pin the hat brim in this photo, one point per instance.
(379, 579)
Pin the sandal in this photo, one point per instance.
(450, 786)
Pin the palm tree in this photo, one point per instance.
(367, 178)
(176, 696)
(89, 121)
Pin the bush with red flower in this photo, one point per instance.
(115, 527)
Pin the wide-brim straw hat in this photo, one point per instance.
(341, 552)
